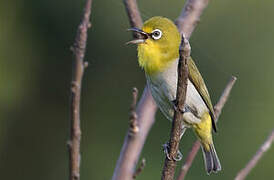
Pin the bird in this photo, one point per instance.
(158, 44)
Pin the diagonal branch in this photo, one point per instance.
(189, 159)
(220, 104)
(190, 16)
(252, 163)
(176, 130)
(78, 68)
(146, 109)
(196, 146)
(133, 143)
(133, 13)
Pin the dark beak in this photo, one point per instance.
(141, 36)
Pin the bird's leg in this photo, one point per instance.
(166, 150)
(174, 104)
(179, 155)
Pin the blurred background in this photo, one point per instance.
(233, 38)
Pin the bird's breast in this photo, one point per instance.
(163, 86)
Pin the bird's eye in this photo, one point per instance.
(156, 34)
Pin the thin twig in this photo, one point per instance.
(176, 130)
(190, 16)
(140, 169)
(222, 100)
(252, 163)
(189, 159)
(133, 144)
(146, 109)
(78, 67)
(133, 124)
(196, 146)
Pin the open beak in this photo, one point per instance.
(141, 36)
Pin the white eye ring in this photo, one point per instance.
(156, 34)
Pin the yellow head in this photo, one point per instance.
(158, 44)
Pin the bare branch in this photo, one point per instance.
(133, 144)
(133, 13)
(134, 16)
(78, 67)
(140, 169)
(190, 16)
(196, 146)
(176, 130)
(222, 100)
(189, 159)
(252, 163)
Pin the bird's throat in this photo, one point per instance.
(154, 59)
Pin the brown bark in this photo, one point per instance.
(134, 142)
(176, 129)
(78, 68)
(255, 159)
(190, 16)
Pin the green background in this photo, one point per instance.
(233, 38)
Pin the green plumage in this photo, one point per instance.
(197, 80)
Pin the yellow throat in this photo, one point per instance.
(157, 52)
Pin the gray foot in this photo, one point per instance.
(178, 157)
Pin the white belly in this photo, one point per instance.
(163, 88)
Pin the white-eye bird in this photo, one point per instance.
(158, 54)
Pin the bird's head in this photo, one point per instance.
(158, 44)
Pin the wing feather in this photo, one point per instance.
(197, 80)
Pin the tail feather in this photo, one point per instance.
(216, 162)
(207, 160)
(212, 163)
